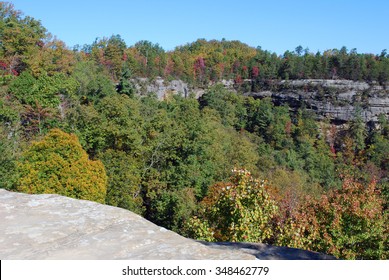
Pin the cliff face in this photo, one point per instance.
(57, 227)
(337, 100)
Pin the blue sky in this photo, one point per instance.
(274, 25)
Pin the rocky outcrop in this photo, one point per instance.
(56, 227)
(337, 100)
(163, 88)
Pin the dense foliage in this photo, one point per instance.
(347, 223)
(58, 164)
(72, 123)
(240, 210)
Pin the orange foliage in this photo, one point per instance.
(348, 223)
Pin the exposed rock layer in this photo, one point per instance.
(337, 100)
(57, 227)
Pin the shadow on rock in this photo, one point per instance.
(269, 252)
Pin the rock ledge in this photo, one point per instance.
(56, 227)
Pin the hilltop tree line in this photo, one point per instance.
(224, 167)
(205, 61)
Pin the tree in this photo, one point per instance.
(94, 85)
(151, 58)
(125, 86)
(358, 131)
(8, 159)
(348, 223)
(228, 104)
(122, 123)
(35, 118)
(53, 57)
(46, 90)
(21, 37)
(114, 54)
(58, 164)
(124, 180)
(239, 211)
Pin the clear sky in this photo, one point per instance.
(274, 25)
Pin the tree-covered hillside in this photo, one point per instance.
(222, 167)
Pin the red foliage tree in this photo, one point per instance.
(255, 72)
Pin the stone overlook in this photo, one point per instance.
(50, 226)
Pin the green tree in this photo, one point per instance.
(46, 90)
(124, 180)
(58, 164)
(94, 85)
(125, 86)
(228, 104)
(358, 131)
(8, 159)
(122, 123)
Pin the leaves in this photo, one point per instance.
(238, 211)
(349, 223)
(58, 164)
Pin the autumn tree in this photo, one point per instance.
(21, 37)
(240, 210)
(348, 223)
(58, 164)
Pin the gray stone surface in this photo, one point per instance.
(56, 227)
(161, 87)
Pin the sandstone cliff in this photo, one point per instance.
(337, 100)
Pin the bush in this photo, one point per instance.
(58, 164)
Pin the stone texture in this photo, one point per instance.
(341, 106)
(161, 87)
(56, 227)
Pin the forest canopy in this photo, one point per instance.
(225, 166)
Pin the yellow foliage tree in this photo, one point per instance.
(58, 164)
